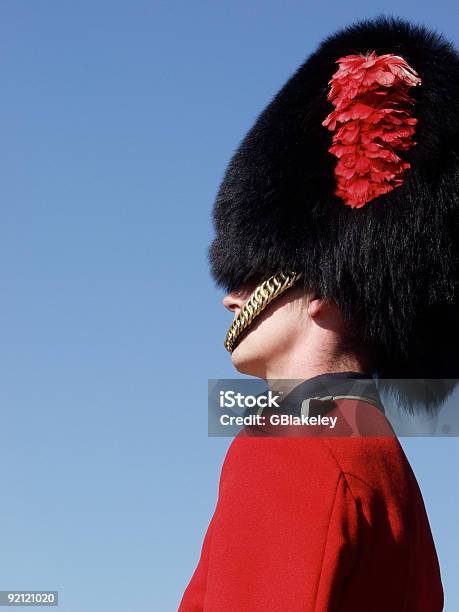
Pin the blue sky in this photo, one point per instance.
(118, 119)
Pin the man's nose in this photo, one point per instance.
(235, 300)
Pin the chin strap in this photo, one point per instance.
(256, 303)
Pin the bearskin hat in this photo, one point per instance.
(350, 176)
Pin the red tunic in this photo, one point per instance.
(317, 524)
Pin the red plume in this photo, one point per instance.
(372, 122)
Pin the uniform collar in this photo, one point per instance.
(333, 385)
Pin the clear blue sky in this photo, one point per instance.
(118, 119)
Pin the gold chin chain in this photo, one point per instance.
(258, 300)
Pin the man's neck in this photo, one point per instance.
(285, 379)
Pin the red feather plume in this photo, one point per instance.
(372, 122)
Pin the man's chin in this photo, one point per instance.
(245, 361)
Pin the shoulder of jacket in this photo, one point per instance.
(279, 459)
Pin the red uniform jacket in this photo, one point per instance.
(317, 524)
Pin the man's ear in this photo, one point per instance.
(325, 313)
(316, 306)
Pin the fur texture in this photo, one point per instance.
(392, 265)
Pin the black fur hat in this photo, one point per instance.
(390, 265)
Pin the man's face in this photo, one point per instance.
(273, 333)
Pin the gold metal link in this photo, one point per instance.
(258, 300)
